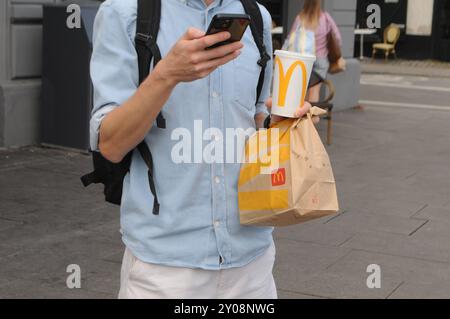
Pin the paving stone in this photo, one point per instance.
(406, 67)
(8, 223)
(18, 158)
(47, 193)
(435, 213)
(433, 230)
(360, 222)
(296, 261)
(318, 233)
(410, 290)
(33, 289)
(75, 166)
(115, 257)
(402, 269)
(103, 277)
(365, 203)
(13, 209)
(433, 249)
(48, 258)
(403, 192)
(283, 294)
(353, 286)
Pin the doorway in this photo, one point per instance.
(441, 34)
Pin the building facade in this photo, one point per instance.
(21, 61)
(425, 26)
(20, 68)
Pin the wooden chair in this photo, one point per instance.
(326, 103)
(391, 36)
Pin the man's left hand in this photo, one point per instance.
(298, 114)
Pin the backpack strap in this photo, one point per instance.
(91, 178)
(148, 159)
(112, 174)
(147, 29)
(251, 7)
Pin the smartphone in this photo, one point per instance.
(235, 24)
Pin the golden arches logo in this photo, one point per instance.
(285, 79)
(279, 177)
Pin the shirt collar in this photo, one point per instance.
(186, 2)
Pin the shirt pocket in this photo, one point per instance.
(246, 73)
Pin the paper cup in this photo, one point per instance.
(290, 82)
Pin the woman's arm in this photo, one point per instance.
(333, 27)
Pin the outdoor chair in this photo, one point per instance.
(391, 36)
(325, 103)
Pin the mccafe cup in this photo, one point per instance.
(290, 82)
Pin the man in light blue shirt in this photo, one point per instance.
(197, 232)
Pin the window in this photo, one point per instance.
(419, 19)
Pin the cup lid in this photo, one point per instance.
(294, 55)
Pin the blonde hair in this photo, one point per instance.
(310, 14)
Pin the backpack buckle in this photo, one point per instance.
(145, 39)
(264, 59)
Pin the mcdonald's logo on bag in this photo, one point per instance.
(279, 177)
(285, 79)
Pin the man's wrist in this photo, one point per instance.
(162, 77)
(259, 120)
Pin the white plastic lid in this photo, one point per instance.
(295, 55)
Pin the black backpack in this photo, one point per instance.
(147, 27)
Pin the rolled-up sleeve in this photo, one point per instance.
(114, 68)
(265, 93)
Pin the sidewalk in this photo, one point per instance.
(393, 182)
(428, 68)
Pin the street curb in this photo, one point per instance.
(401, 70)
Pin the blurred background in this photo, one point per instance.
(41, 64)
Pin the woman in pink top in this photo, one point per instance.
(321, 23)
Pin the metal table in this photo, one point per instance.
(362, 33)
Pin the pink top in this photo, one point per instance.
(326, 24)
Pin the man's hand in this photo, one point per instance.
(188, 60)
(298, 114)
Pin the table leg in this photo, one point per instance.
(361, 57)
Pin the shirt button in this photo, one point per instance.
(217, 179)
(216, 224)
(215, 94)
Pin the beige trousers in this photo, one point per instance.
(141, 280)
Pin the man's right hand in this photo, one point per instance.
(188, 60)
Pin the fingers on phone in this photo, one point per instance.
(222, 51)
(210, 40)
(193, 34)
(215, 63)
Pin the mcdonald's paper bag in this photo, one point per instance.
(286, 177)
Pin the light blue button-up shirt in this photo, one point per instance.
(198, 225)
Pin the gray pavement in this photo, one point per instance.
(392, 168)
(429, 68)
